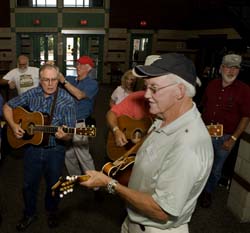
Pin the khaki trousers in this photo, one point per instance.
(130, 227)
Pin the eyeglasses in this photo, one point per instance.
(47, 80)
(154, 89)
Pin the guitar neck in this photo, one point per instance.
(52, 129)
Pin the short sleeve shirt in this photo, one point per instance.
(226, 105)
(134, 105)
(173, 165)
(89, 86)
(24, 80)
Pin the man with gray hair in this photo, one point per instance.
(173, 163)
(225, 103)
(23, 78)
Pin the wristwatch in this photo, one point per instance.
(111, 186)
(65, 82)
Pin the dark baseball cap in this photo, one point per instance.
(174, 63)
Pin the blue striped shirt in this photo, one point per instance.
(34, 100)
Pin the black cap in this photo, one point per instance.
(168, 63)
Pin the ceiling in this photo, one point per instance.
(182, 14)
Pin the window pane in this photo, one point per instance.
(51, 3)
(83, 3)
(40, 3)
(79, 3)
(69, 3)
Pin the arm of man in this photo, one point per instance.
(8, 115)
(74, 91)
(143, 202)
(228, 144)
(120, 138)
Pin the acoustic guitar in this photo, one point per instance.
(34, 125)
(134, 131)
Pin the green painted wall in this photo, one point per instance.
(26, 19)
(73, 20)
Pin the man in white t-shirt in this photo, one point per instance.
(23, 78)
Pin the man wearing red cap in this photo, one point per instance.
(84, 89)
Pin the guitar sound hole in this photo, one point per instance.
(136, 136)
(30, 129)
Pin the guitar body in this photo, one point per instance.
(120, 169)
(134, 131)
(26, 120)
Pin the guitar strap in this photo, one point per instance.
(49, 118)
(52, 108)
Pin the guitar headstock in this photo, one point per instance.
(89, 131)
(65, 185)
(215, 130)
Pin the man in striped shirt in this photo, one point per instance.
(45, 159)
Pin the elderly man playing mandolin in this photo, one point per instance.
(47, 158)
(173, 163)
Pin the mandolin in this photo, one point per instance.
(65, 185)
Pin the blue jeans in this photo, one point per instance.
(220, 156)
(38, 162)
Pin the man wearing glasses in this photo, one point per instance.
(225, 102)
(173, 163)
(23, 78)
(45, 159)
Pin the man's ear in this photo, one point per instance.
(181, 91)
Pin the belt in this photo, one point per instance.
(80, 121)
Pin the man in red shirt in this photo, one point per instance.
(225, 101)
(134, 106)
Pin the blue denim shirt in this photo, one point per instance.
(84, 107)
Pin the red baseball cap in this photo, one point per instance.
(86, 60)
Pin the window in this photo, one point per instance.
(36, 3)
(83, 3)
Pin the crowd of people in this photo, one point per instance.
(177, 162)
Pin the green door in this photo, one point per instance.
(39, 47)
